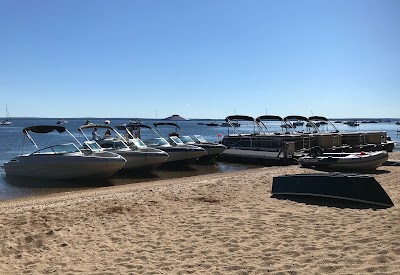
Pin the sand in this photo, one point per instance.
(212, 224)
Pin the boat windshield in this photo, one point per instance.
(92, 145)
(200, 138)
(58, 149)
(114, 144)
(176, 140)
(186, 139)
(138, 143)
(156, 142)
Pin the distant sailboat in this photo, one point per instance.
(8, 120)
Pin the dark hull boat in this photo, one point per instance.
(353, 187)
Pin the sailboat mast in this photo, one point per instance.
(7, 121)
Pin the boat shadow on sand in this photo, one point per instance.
(340, 190)
(352, 171)
(329, 202)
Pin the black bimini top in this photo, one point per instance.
(321, 118)
(295, 117)
(94, 126)
(122, 127)
(268, 117)
(239, 117)
(138, 126)
(43, 129)
(166, 123)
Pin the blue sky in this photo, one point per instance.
(200, 59)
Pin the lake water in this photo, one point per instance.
(13, 143)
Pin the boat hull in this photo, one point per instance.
(62, 167)
(212, 150)
(346, 161)
(183, 154)
(143, 159)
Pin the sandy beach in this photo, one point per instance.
(211, 224)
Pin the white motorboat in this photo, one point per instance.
(64, 161)
(344, 161)
(138, 155)
(212, 149)
(177, 154)
(176, 139)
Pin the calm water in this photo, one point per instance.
(13, 142)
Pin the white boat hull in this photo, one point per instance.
(348, 161)
(64, 167)
(143, 158)
(212, 149)
(184, 154)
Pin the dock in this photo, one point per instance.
(257, 157)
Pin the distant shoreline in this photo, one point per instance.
(197, 119)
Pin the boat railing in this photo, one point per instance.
(57, 150)
(265, 142)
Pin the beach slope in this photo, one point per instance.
(212, 224)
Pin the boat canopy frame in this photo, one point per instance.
(174, 133)
(44, 129)
(102, 126)
(321, 118)
(260, 122)
(129, 128)
(303, 118)
(237, 118)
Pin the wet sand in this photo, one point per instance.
(224, 223)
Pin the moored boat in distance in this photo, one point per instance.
(353, 123)
(212, 124)
(7, 121)
(230, 123)
(61, 121)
